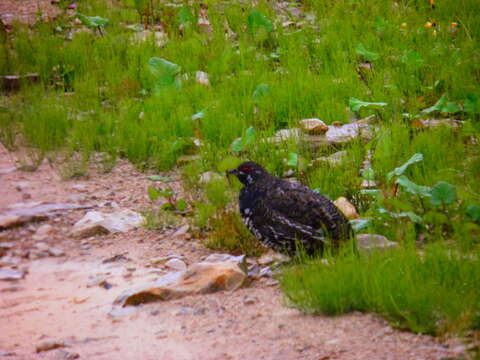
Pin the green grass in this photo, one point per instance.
(435, 292)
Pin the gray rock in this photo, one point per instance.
(334, 160)
(369, 242)
(7, 274)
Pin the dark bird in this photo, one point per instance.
(285, 215)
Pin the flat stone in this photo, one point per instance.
(200, 278)
(11, 274)
(334, 160)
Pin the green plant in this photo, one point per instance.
(434, 293)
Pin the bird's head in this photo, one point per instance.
(248, 172)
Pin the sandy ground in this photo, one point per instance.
(53, 301)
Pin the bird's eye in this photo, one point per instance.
(245, 168)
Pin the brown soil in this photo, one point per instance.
(54, 302)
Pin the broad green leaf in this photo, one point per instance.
(356, 104)
(472, 104)
(164, 71)
(443, 106)
(92, 21)
(257, 20)
(237, 145)
(292, 159)
(412, 58)
(246, 140)
(181, 205)
(261, 91)
(368, 55)
(185, 16)
(249, 136)
(401, 169)
(166, 192)
(360, 224)
(198, 115)
(153, 193)
(372, 192)
(473, 212)
(412, 188)
(229, 163)
(168, 206)
(409, 214)
(443, 193)
(160, 178)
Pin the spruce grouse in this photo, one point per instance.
(283, 215)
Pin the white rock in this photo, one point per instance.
(202, 78)
(95, 222)
(176, 264)
(369, 242)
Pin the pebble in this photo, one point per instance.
(249, 300)
(176, 264)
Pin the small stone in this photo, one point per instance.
(99, 281)
(334, 160)
(181, 232)
(250, 300)
(368, 184)
(65, 355)
(346, 208)
(313, 126)
(56, 252)
(176, 264)
(202, 78)
(43, 231)
(38, 254)
(8, 221)
(11, 274)
(208, 176)
(369, 242)
(50, 345)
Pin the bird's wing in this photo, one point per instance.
(302, 205)
(281, 232)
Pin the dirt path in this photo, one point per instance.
(54, 301)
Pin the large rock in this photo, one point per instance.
(369, 242)
(95, 222)
(347, 208)
(200, 278)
